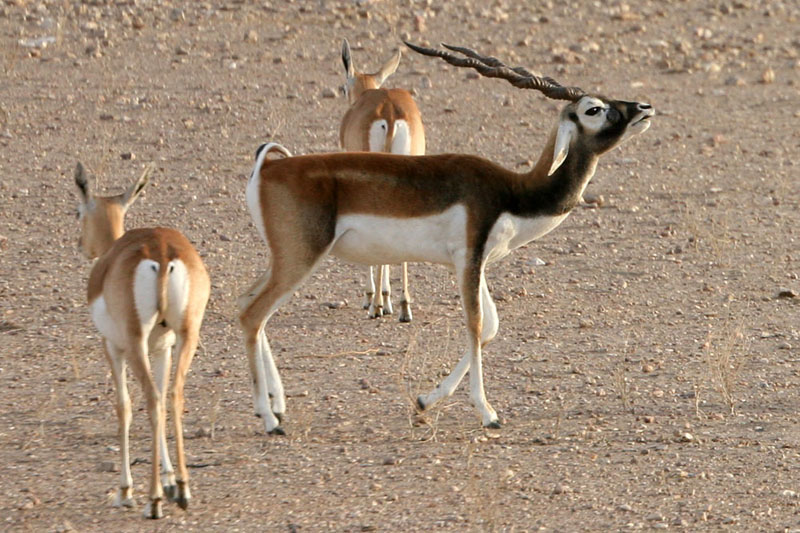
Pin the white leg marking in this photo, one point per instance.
(450, 383)
(370, 292)
(376, 305)
(161, 350)
(273, 378)
(268, 377)
(386, 291)
(405, 304)
(124, 497)
(477, 393)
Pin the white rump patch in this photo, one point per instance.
(401, 138)
(177, 292)
(377, 136)
(252, 193)
(145, 291)
(254, 200)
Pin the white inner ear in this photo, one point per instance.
(566, 130)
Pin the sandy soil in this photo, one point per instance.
(647, 374)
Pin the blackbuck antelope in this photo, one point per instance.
(380, 120)
(458, 210)
(147, 291)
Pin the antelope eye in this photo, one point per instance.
(592, 111)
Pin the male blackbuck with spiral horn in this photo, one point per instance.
(147, 291)
(380, 120)
(458, 210)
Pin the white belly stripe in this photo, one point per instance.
(374, 239)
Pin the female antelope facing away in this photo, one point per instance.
(147, 292)
(380, 120)
(458, 210)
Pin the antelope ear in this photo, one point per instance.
(134, 190)
(349, 69)
(82, 181)
(388, 68)
(566, 131)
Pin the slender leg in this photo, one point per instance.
(187, 344)
(257, 370)
(253, 317)
(386, 290)
(140, 365)
(488, 330)
(405, 304)
(161, 348)
(376, 306)
(273, 378)
(370, 292)
(116, 359)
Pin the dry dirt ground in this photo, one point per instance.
(647, 374)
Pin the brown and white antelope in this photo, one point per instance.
(147, 291)
(380, 120)
(458, 210)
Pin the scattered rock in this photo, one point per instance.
(177, 15)
(251, 36)
(108, 466)
(329, 93)
(768, 76)
(562, 489)
(597, 200)
(419, 23)
(127, 156)
(787, 293)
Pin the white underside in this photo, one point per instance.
(374, 239)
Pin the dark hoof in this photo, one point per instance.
(277, 430)
(182, 496)
(493, 425)
(405, 319)
(182, 502)
(420, 403)
(170, 491)
(154, 511)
